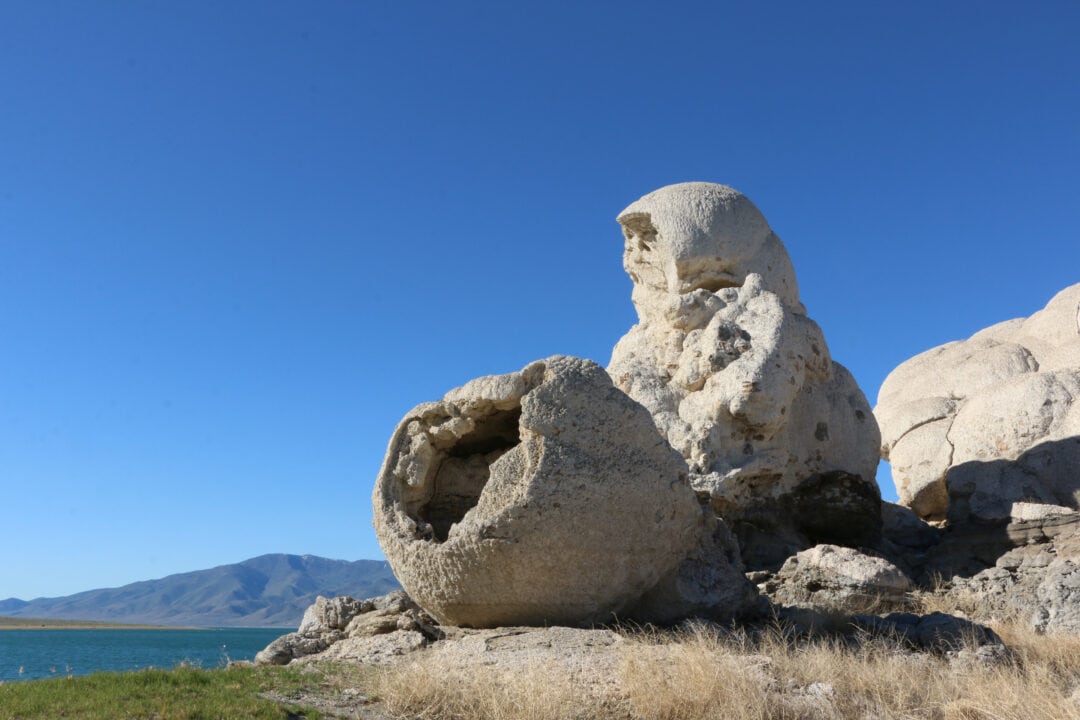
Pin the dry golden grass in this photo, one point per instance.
(701, 674)
(940, 597)
(543, 691)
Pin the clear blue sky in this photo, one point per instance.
(239, 240)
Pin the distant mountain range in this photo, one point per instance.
(267, 591)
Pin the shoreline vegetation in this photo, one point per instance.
(698, 673)
(13, 623)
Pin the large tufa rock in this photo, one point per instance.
(539, 497)
(972, 428)
(736, 376)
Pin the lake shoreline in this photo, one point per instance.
(10, 623)
(33, 653)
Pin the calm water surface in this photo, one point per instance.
(30, 654)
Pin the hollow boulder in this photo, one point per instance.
(544, 496)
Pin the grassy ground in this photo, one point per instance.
(694, 675)
(185, 693)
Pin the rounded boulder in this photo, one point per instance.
(541, 497)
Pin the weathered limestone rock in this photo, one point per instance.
(295, 645)
(375, 630)
(985, 433)
(1058, 597)
(381, 649)
(973, 427)
(328, 614)
(833, 578)
(539, 497)
(708, 584)
(1019, 571)
(736, 376)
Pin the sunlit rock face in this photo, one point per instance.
(722, 438)
(540, 497)
(736, 376)
(985, 427)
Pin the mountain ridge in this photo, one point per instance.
(266, 591)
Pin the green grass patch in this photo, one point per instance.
(185, 693)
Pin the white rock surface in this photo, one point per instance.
(545, 496)
(736, 376)
(382, 649)
(375, 630)
(1037, 511)
(829, 577)
(973, 427)
(327, 614)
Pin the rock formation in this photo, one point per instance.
(839, 579)
(374, 631)
(737, 377)
(539, 497)
(974, 428)
(549, 496)
(984, 437)
(1022, 570)
(723, 445)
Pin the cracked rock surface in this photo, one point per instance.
(974, 428)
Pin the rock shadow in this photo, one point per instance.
(1000, 505)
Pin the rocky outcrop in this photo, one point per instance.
(737, 377)
(723, 438)
(374, 631)
(539, 497)
(964, 642)
(974, 427)
(1026, 570)
(983, 436)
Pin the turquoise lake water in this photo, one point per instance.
(31, 654)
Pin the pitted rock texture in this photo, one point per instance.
(544, 496)
(1058, 597)
(1026, 570)
(374, 631)
(736, 376)
(708, 584)
(831, 578)
(975, 427)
